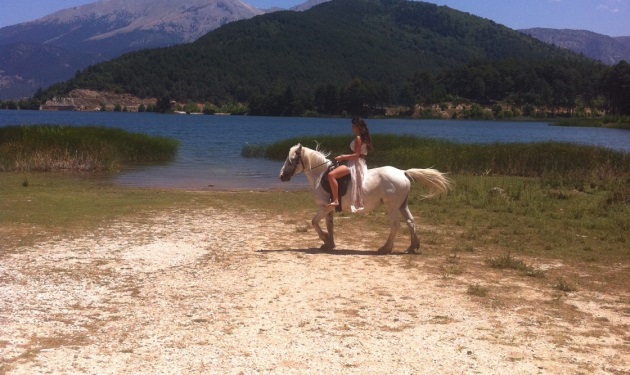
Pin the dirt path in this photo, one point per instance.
(206, 292)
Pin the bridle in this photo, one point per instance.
(290, 172)
(296, 159)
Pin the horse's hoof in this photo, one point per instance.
(327, 247)
(383, 251)
(413, 250)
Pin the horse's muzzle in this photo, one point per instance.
(285, 177)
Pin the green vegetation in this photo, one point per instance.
(51, 148)
(360, 56)
(583, 168)
(38, 206)
(534, 217)
(618, 122)
(507, 261)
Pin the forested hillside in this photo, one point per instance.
(348, 55)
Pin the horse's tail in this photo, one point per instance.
(434, 180)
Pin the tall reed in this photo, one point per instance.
(579, 166)
(56, 147)
(514, 159)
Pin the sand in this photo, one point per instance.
(215, 292)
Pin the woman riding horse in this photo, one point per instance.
(387, 186)
(356, 167)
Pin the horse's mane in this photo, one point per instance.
(317, 155)
(326, 153)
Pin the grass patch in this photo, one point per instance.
(507, 261)
(477, 290)
(55, 148)
(616, 122)
(528, 219)
(61, 204)
(564, 285)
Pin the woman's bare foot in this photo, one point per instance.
(333, 204)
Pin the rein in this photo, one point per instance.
(310, 169)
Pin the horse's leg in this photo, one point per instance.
(329, 228)
(415, 242)
(394, 225)
(321, 213)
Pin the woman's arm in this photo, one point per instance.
(357, 151)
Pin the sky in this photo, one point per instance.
(607, 17)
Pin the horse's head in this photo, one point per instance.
(294, 163)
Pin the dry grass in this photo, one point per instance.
(478, 290)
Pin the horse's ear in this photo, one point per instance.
(299, 147)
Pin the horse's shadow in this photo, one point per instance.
(318, 251)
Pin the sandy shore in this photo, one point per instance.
(212, 292)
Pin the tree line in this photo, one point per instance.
(526, 85)
(555, 86)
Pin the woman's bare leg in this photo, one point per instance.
(338, 172)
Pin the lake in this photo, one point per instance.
(210, 146)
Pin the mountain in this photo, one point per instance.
(113, 27)
(625, 41)
(606, 49)
(101, 31)
(308, 5)
(46, 65)
(384, 41)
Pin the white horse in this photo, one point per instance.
(387, 185)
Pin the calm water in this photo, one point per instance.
(210, 146)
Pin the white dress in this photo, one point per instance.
(358, 171)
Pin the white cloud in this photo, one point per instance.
(610, 6)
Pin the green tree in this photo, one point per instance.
(208, 110)
(326, 99)
(617, 87)
(421, 88)
(163, 105)
(364, 98)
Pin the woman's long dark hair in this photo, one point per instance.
(364, 133)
